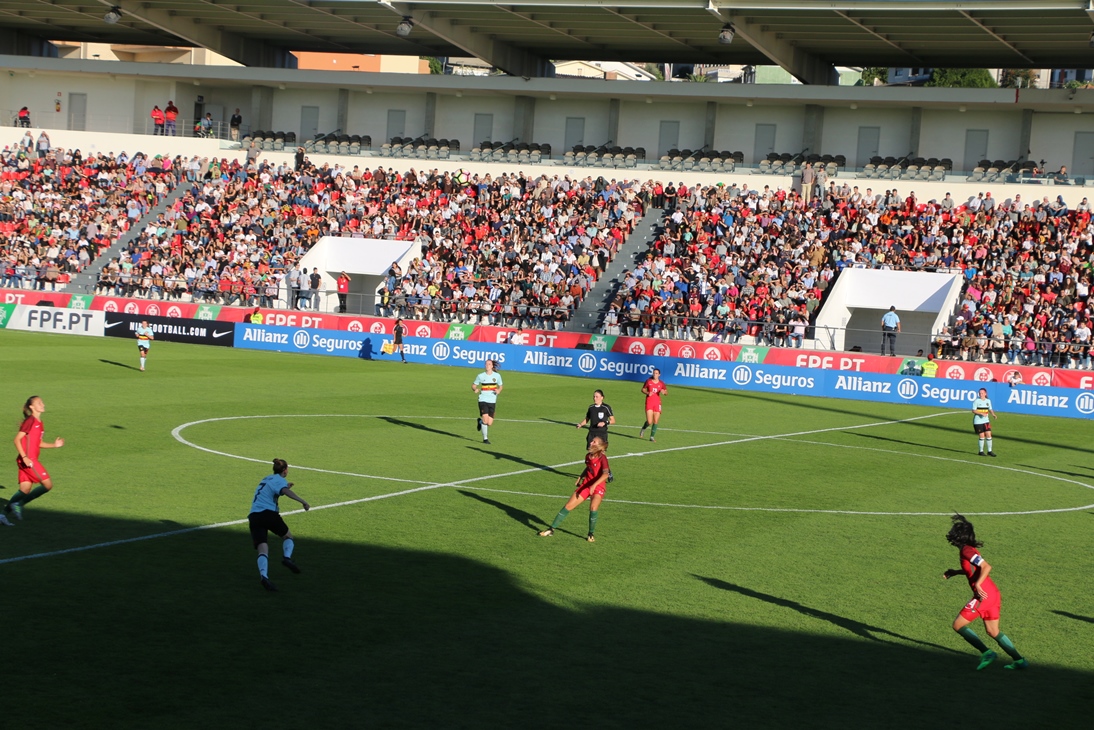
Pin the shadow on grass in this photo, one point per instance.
(523, 462)
(1075, 616)
(119, 364)
(422, 427)
(1077, 474)
(907, 443)
(858, 628)
(183, 636)
(822, 404)
(572, 424)
(527, 519)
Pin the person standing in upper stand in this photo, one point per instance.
(808, 177)
(234, 124)
(157, 120)
(170, 115)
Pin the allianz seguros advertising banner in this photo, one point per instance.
(934, 392)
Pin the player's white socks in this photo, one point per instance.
(286, 547)
(981, 446)
(142, 363)
(263, 566)
(485, 429)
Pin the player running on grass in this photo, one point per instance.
(982, 414)
(985, 601)
(487, 387)
(591, 483)
(266, 518)
(28, 442)
(144, 340)
(653, 388)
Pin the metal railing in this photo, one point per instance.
(123, 124)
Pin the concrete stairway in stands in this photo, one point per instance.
(84, 282)
(588, 314)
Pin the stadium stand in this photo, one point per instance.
(59, 210)
(732, 262)
(511, 250)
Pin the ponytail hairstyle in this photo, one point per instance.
(279, 466)
(962, 533)
(27, 412)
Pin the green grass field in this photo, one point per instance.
(735, 580)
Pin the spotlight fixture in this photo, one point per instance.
(404, 27)
(725, 35)
(113, 15)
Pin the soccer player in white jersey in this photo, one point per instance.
(144, 340)
(266, 518)
(982, 414)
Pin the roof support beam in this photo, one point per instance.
(803, 66)
(511, 60)
(243, 50)
(996, 36)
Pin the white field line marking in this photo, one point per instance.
(431, 486)
(177, 434)
(787, 509)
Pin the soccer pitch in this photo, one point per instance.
(769, 561)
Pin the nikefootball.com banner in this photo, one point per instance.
(170, 329)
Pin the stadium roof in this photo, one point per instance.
(806, 37)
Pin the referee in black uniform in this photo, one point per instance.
(397, 341)
(598, 418)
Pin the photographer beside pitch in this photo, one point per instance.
(265, 517)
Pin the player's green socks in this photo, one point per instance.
(34, 494)
(264, 566)
(17, 498)
(592, 521)
(645, 425)
(1008, 646)
(981, 445)
(286, 547)
(970, 636)
(485, 430)
(653, 431)
(989, 445)
(559, 517)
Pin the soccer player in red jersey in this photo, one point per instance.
(985, 601)
(652, 389)
(28, 442)
(591, 483)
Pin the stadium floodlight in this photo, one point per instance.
(404, 27)
(113, 15)
(725, 35)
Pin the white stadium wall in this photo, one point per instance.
(851, 315)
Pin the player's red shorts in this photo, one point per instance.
(585, 493)
(987, 609)
(653, 404)
(37, 475)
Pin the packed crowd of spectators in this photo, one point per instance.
(510, 249)
(731, 261)
(60, 208)
(518, 250)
